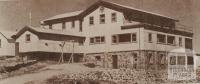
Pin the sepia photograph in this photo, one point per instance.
(99, 41)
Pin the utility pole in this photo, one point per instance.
(72, 55)
(61, 60)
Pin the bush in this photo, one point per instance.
(90, 65)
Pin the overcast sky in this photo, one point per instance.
(14, 14)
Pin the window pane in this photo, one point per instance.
(73, 24)
(181, 60)
(28, 37)
(102, 39)
(190, 60)
(134, 37)
(63, 25)
(91, 40)
(114, 39)
(102, 18)
(0, 43)
(97, 39)
(161, 38)
(180, 41)
(114, 17)
(170, 39)
(150, 37)
(125, 38)
(172, 60)
(91, 22)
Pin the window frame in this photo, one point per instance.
(0, 43)
(91, 20)
(73, 24)
(28, 37)
(63, 25)
(102, 18)
(50, 26)
(113, 17)
(150, 38)
(168, 41)
(97, 40)
(158, 41)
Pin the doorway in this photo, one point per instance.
(115, 61)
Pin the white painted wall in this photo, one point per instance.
(6, 48)
(162, 47)
(25, 46)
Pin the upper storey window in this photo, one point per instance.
(171, 40)
(91, 20)
(50, 26)
(102, 19)
(150, 38)
(28, 37)
(0, 43)
(63, 25)
(180, 41)
(114, 17)
(73, 24)
(161, 38)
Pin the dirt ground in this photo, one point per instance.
(45, 73)
(62, 71)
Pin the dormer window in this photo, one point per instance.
(102, 19)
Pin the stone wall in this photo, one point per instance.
(129, 59)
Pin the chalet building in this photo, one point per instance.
(107, 34)
(7, 44)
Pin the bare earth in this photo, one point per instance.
(45, 73)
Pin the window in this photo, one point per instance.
(134, 37)
(91, 20)
(161, 38)
(181, 60)
(0, 43)
(190, 60)
(162, 58)
(102, 9)
(114, 39)
(188, 43)
(180, 42)
(91, 40)
(73, 24)
(98, 58)
(113, 17)
(150, 38)
(63, 25)
(123, 38)
(173, 60)
(28, 37)
(97, 40)
(171, 40)
(102, 19)
(50, 26)
(150, 58)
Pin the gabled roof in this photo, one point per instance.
(39, 30)
(115, 6)
(7, 35)
(69, 14)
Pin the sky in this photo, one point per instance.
(14, 14)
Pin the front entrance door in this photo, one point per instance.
(115, 61)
